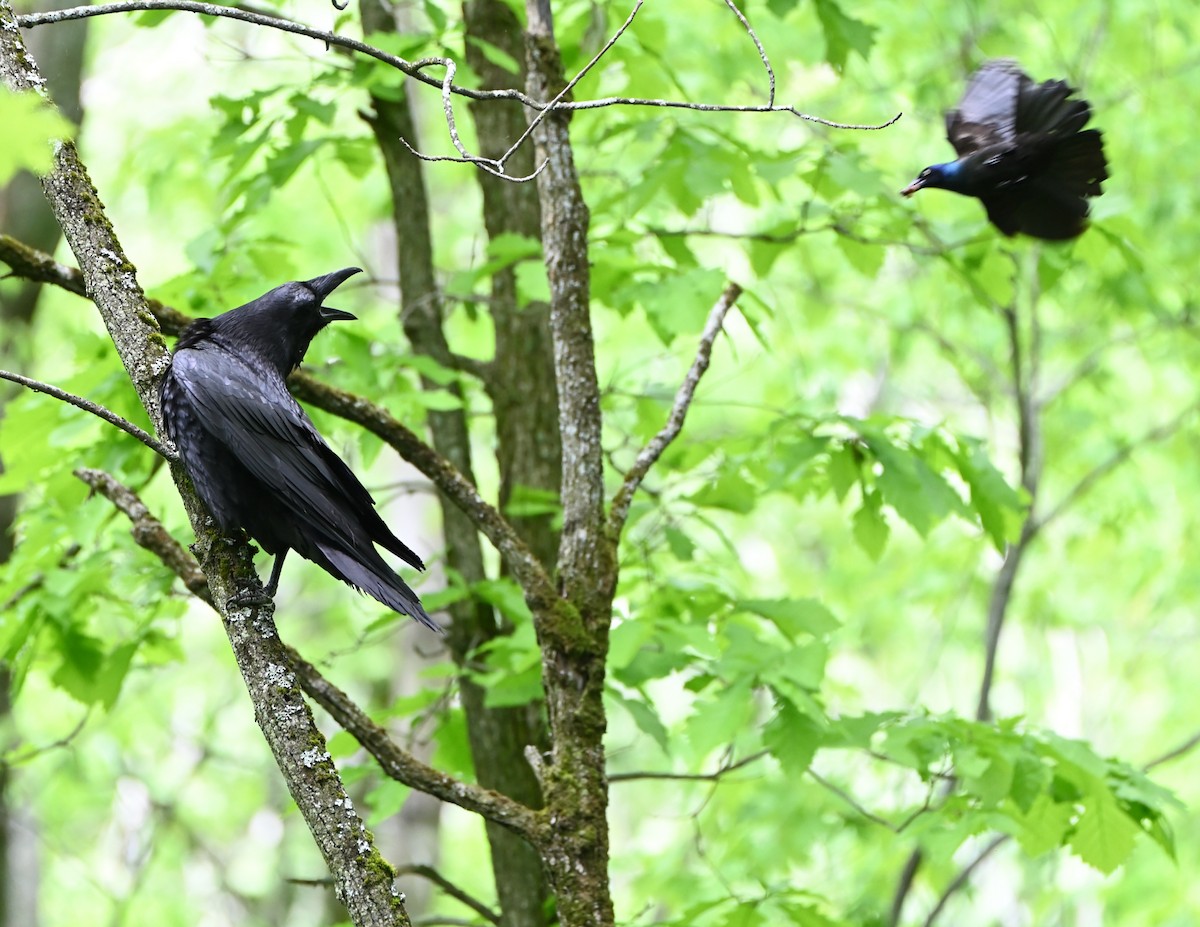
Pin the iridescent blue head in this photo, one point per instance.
(942, 176)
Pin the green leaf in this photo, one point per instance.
(31, 127)
(494, 54)
(998, 504)
(843, 34)
(844, 470)
(1104, 835)
(793, 617)
(730, 491)
(87, 673)
(744, 914)
(646, 719)
(506, 596)
(792, 737)
(386, 800)
(529, 502)
(870, 527)
(437, 400)
(716, 722)
(1042, 828)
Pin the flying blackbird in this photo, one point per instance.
(255, 457)
(1023, 152)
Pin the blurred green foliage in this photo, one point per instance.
(806, 581)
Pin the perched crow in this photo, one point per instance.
(253, 454)
(1022, 152)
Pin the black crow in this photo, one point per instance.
(1023, 151)
(255, 457)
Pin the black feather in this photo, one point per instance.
(1023, 152)
(256, 458)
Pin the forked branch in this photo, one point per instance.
(649, 455)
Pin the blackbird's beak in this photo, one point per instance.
(326, 284)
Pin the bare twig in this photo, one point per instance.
(458, 894)
(31, 753)
(647, 457)
(561, 95)
(853, 803)
(404, 767)
(961, 879)
(1175, 752)
(412, 69)
(762, 52)
(1115, 460)
(95, 408)
(489, 165)
(526, 567)
(713, 776)
(149, 532)
(415, 69)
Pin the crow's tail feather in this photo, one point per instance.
(379, 582)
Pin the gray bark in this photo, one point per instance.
(362, 878)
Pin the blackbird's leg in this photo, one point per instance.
(260, 597)
(273, 582)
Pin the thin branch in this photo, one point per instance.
(150, 533)
(561, 95)
(407, 769)
(723, 108)
(415, 69)
(961, 879)
(489, 165)
(853, 803)
(1116, 459)
(762, 52)
(452, 890)
(1175, 753)
(649, 455)
(412, 69)
(95, 408)
(31, 264)
(31, 753)
(526, 568)
(713, 776)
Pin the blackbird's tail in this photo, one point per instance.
(370, 574)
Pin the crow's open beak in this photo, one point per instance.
(326, 284)
(329, 314)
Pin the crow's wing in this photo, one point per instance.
(250, 411)
(987, 113)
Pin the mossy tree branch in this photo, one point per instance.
(363, 880)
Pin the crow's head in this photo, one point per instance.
(281, 324)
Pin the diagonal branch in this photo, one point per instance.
(528, 571)
(152, 535)
(1120, 456)
(149, 532)
(762, 52)
(95, 408)
(452, 890)
(406, 768)
(411, 68)
(649, 455)
(416, 70)
(713, 776)
(362, 877)
(526, 568)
